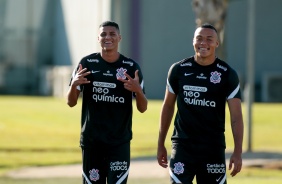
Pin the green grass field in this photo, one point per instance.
(38, 131)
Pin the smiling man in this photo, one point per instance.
(107, 80)
(201, 85)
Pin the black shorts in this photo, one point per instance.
(208, 165)
(106, 164)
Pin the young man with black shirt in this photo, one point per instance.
(201, 85)
(107, 80)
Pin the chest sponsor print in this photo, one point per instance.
(101, 92)
(201, 76)
(192, 96)
(108, 74)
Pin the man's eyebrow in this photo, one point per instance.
(210, 36)
(109, 32)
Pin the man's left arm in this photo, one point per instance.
(237, 127)
(141, 101)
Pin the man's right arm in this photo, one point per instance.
(72, 96)
(78, 79)
(165, 121)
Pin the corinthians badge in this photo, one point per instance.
(215, 77)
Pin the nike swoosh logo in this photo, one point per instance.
(118, 176)
(95, 71)
(187, 74)
(218, 178)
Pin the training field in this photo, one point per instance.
(38, 131)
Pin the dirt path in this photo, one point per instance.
(141, 168)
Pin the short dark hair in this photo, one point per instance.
(109, 23)
(209, 26)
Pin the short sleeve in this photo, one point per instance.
(172, 84)
(233, 85)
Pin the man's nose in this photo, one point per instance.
(203, 42)
(108, 36)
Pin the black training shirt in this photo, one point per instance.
(106, 104)
(202, 92)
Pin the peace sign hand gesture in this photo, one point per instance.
(131, 84)
(79, 77)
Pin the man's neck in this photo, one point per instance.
(204, 61)
(110, 56)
